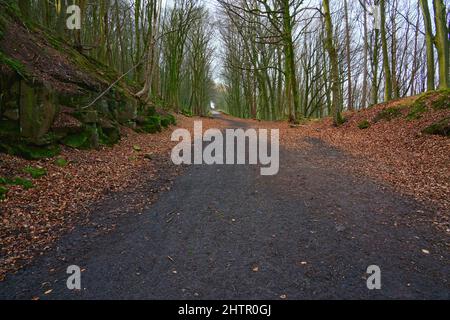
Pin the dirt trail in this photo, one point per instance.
(226, 232)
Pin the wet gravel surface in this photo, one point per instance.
(226, 232)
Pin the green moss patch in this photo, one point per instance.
(187, 113)
(151, 125)
(35, 172)
(364, 125)
(76, 140)
(168, 120)
(437, 100)
(61, 162)
(388, 114)
(29, 152)
(417, 110)
(24, 183)
(442, 100)
(86, 139)
(441, 128)
(15, 65)
(3, 192)
(109, 136)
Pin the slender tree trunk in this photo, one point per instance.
(386, 66)
(24, 6)
(291, 69)
(442, 42)
(337, 100)
(349, 61)
(429, 38)
(375, 60)
(137, 58)
(366, 60)
(395, 84)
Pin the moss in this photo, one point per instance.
(364, 125)
(442, 100)
(417, 110)
(388, 114)
(165, 123)
(441, 128)
(9, 128)
(437, 100)
(168, 120)
(35, 172)
(24, 183)
(151, 125)
(187, 113)
(15, 65)
(28, 151)
(61, 162)
(3, 192)
(109, 136)
(340, 119)
(88, 138)
(76, 140)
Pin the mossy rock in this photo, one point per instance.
(127, 110)
(151, 125)
(38, 110)
(88, 138)
(35, 172)
(75, 140)
(364, 125)
(442, 100)
(437, 100)
(388, 114)
(13, 64)
(168, 120)
(9, 129)
(150, 112)
(109, 136)
(29, 152)
(418, 108)
(441, 128)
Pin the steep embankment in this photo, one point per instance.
(52, 94)
(405, 144)
(49, 108)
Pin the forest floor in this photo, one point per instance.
(344, 199)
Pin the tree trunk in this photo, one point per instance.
(442, 42)
(349, 61)
(337, 100)
(429, 45)
(386, 66)
(366, 60)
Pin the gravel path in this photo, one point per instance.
(226, 232)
